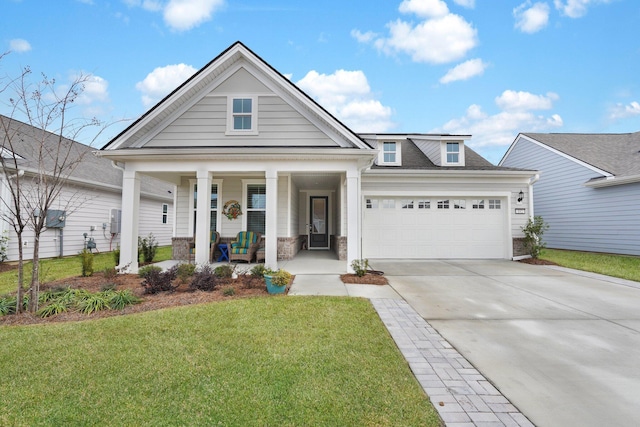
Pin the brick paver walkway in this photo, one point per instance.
(462, 396)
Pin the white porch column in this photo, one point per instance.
(353, 217)
(203, 217)
(129, 223)
(271, 220)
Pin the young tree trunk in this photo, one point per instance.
(34, 290)
(20, 292)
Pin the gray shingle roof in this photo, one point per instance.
(26, 141)
(414, 159)
(618, 154)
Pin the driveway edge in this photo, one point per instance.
(462, 396)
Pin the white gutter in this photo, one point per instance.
(532, 181)
(611, 181)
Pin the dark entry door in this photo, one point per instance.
(319, 226)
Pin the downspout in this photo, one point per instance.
(532, 181)
(366, 166)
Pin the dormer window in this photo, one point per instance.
(389, 154)
(452, 153)
(242, 116)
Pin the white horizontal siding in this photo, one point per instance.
(580, 218)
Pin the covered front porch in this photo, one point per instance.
(302, 205)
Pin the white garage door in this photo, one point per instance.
(434, 228)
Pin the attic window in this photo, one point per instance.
(453, 152)
(389, 154)
(242, 116)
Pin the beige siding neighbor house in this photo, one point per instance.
(305, 181)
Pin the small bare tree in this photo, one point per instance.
(39, 159)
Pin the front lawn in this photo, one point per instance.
(60, 268)
(622, 266)
(259, 361)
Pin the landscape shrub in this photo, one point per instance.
(92, 303)
(224, 271)
(53, 308)
(360, 266)
(160, 281)
(204, 280)
(143, 272)
(118, 300)
(116, 255)
(185, 272)
(258, 271)
(86, 257)
(7, 305)
(228, 291)
(110, 273)
(108, 287)
(533, 231)
(147, 247)
(4, 243)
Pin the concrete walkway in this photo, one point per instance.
(462, 396)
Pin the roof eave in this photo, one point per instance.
(612, 181)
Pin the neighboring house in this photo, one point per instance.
(303, 179)
(589, 188)
(90, 201)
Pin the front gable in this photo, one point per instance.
(199, 113)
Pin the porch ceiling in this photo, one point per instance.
(316, 181)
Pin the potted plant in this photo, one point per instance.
(276, 281)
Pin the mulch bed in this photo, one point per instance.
(537, 261)
(367, 279)
(244, 287)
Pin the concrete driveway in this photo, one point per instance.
(564, 348)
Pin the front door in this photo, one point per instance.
(319, 226)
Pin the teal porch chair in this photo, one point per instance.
(244, 247)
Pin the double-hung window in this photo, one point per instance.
(256, 207)
(213, 207)
(453, 152)
(165, 213)
(242, 115)
(389, 153)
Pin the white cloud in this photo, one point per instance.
(621, 111)
(466, 3)
(530, 19)
(424, 8)
(511, 100)
(19, 45)
(363, 37)
(464, 71)
(95, 90)
(516, 115)
(161, 81)
(347, 95)
(180, 15)
(440, 38)
(576, 8)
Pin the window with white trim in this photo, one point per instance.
(477, 204)
(371, 203)
(256, 210)
(424, 204)
(459, 204)
(242, 115)
(389, 153)
(453, 152)
(494, 204)
(213, 208)
(165, 213)
(443, 204)
(406, 204)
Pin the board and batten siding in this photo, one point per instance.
(205, 123)
(580, 218)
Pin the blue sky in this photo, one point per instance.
(489, 68)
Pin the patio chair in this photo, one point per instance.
(244, 247)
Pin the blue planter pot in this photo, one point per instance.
(273, 289)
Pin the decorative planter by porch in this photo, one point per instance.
(271, 288)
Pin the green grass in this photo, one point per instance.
(622, 266)
(60, 268)
(264, 361)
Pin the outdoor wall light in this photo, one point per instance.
(520, 196)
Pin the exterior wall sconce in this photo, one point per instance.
(520, 197)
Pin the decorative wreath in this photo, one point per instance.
(232, 209)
